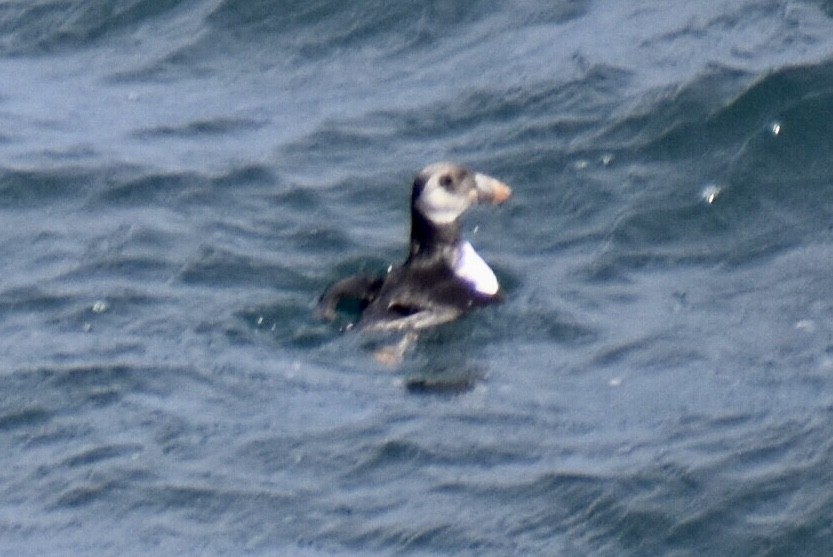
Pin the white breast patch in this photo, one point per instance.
(471, 268)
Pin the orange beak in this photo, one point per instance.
(490, 190)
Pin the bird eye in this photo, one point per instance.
(445, 180)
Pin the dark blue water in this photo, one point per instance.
(180, 180)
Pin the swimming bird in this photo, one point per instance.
(443, 276)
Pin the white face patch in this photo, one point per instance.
(471, 268)
(439, 205)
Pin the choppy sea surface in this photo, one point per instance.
(181, 179)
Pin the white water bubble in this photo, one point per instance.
(710, 193)
(806, 325)
(100, 306)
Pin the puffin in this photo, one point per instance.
(443, 276)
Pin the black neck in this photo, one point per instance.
(429, 239)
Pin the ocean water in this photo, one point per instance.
(181, 179)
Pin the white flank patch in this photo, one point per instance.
(471, 268)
